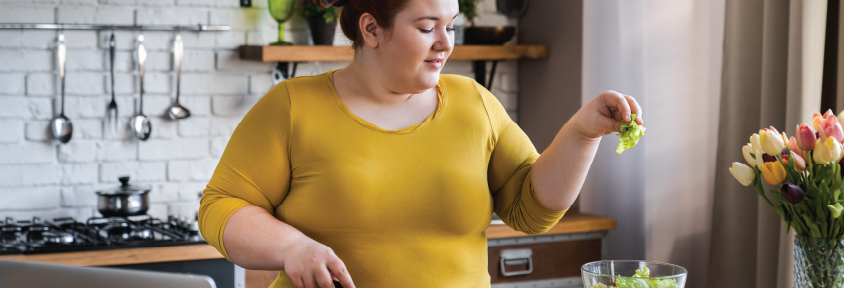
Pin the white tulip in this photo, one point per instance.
(743, 173)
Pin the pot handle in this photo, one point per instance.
(124, 181)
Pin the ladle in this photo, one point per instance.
(176, 111)
(140, 123)
(61, 126)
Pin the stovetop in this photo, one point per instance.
(67, 235)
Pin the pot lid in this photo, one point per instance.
(125, 188)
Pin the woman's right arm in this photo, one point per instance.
(250, 182)
(252, 232)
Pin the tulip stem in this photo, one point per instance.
(800, 220)
(758, 185)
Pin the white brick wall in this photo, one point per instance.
(39, 177)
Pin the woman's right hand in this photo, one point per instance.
(310, 264)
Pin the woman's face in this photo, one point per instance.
(414, 51)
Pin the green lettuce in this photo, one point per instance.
(630, 134)
(640, 280)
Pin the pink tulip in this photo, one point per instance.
(817, 120)
(828, 126)
(834, 130)
(792, 144)
(799, 163)
(773, 129)
(805, 137)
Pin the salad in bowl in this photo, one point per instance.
(632, 274)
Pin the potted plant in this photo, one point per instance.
(322, 20)
(469, 9)
(492, 35)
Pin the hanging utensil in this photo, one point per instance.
(61, 126)
(140, 123)
(176, 111)
(112, 106)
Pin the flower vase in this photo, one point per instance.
(818, 263)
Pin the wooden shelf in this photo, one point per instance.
(570, 223)
(303, 53)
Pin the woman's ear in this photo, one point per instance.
(369, 30)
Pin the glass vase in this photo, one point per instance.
(281, 10)
(818, 263)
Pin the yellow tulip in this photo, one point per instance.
(774, 172)
(745, 151)
(827, 151)
(772, 142)
(743, 173)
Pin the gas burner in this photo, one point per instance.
(118, 231)
(68, 235)
(58, 238)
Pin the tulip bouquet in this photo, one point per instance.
(807, 172)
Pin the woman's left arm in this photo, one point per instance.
(573, 149)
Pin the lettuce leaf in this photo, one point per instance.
(640, 280)
(629, 135)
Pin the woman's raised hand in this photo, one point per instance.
(603, 115)
(310, 264)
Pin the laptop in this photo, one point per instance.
(14, 274)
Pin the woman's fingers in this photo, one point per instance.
(616, 102)
(297, 282)
(636, 108)
(338, 270)
(309, 280)
(323, 278)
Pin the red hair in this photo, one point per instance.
(384, 12)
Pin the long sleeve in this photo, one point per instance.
(254, 168)
(509, 170)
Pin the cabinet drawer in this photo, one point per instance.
(549, 260)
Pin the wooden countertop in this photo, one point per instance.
(571, 223)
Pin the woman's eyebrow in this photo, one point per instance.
(435, 18)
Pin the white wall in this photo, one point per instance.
(667, 54)
(39, 177)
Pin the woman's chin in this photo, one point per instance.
(429, 80)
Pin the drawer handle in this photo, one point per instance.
(516, 257)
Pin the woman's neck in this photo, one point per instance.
(358, 81)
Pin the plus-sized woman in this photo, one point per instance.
(386, 173)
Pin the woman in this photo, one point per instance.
(388, 168)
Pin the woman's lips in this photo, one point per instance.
(436, 63)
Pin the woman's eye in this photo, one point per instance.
(426, 31)
(449, 29)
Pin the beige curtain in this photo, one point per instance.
(772, 65)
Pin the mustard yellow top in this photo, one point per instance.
(401, 208)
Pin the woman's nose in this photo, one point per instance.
(444, 41)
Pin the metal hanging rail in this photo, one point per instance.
(113, 27)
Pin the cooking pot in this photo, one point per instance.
(125, 200)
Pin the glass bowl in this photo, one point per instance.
(618, 273)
